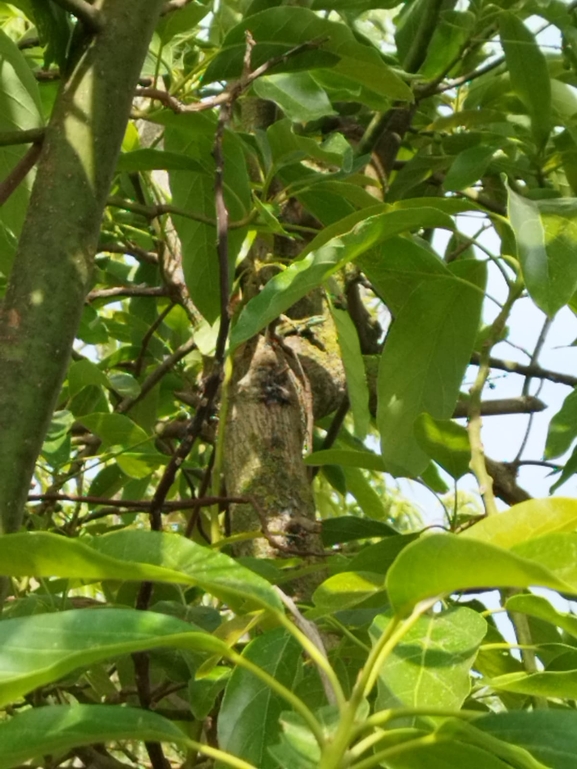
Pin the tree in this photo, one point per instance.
(229, 318)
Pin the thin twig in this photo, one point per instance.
(19, 172)
(138, 505)
(156, 376)
(154, 211)
(120, 292)
(534, 371)
(148, 336)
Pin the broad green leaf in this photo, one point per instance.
(37, 650)
(558, 684)
(371, 503)
(193, 135)
(549, 735)
(556, 552)
(248, 720)
(439, 564)
(57, 728)
(83, 373)
(545, 232)
(115, 429)
(132, 555)
(152, 160)
(526, 521)
(442, 753)
(277, 30)
(428, 348)
(346, 458)
(399, 268)
(468, 167)
(513, 755)
(349, 527)
(288, 147)
(451, 33)
(529, 74)
(352, 358)
(430, 666)
(345, 590)
(446, 442)
(286, 288)
(298, 748)
(181, 21)
(379, 558)
(20, 109)
(202, 692)
(124, 384)
(54, 31)
(297, 94)
(562, 428)
(537, 606)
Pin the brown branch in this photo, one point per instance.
(138, 505)
(156, 376)
(533, 371)
(19, 172)
(150, 257)
(154, 211)
(88, 14)
(30, 136)
(148, 336)
(524, 404)
(126, 291)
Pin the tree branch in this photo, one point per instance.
(30, 136)
(88, 14)
(19, 172)
(52, 269)
(533, 371)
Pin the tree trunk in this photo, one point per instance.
(52, 269)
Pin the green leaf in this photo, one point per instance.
(558, 684)
(526, 521)
(345, 590)
(297, 94)
(83, 373)
(549, 735)
(115, 429)
(545, 232)
(286, 288)
(428, 348)
(562, 428)
(430, 666)
(379, 558)
(468, 167)
(345, 458)
(443, 754)
(248, 720)
(192, 135)
(54, 31)
(439, 564)
(446, 442)
(152, 160)
(536, 606)
(357, 388)
(58, 728)
(277, 30)
(529, 73)
(349, 527)
(20, 109)
(37, 650)
(133, 555)
(181, 21)
(288, 147)
(556, 552)
(451, 33)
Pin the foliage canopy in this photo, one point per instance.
(248, 259)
